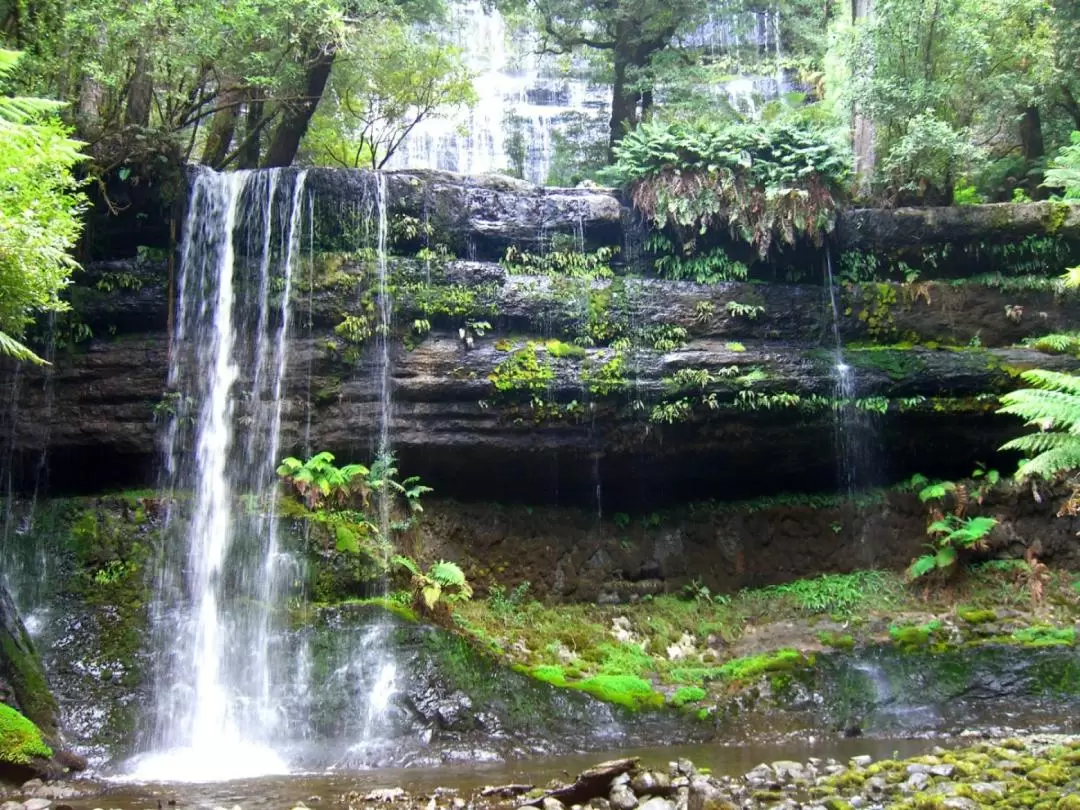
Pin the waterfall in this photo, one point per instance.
(218, 592)
(853, 430)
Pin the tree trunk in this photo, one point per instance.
(294, 122)
(1034, 150)
(249, 155)
(140, 94)
(864, 133)
(21, 675)
(623, 104)
(222, 128)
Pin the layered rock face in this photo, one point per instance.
(619, 392)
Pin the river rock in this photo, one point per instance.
(11, 806)
(917, 781)
(650, 783)
(385, 795)
(622, 798)
(37, 804)
(988, 790)
(552, 804)
(862, 760)
(789, 771)
(960, 803)
(657, 803)
(760, 776)
(944, 770)
(705, 794)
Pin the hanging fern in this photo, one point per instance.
(762, 182)
(1052, 406)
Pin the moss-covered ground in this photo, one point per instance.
(20, 740)
(683, 650)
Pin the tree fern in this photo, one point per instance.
(1053, 407)
(12, 348)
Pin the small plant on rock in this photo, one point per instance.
(443, 583)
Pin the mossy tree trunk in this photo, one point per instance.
(22, 679)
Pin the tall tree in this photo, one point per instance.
(632, 32)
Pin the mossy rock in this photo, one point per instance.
(20, 740)
(1050, 773)
(976, 616)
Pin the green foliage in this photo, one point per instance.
(391, 78)
(1064, 169)
(686, 263)
(838, 594)
(40, 210)
(665, 337)
(570, 263)
(354, 328)
(443, 582)
(1044, 636)
(20, 740)
(319, 483)
(741, 310)
(607, 378)
(1056, 343)
(1052, 406)
(506, 605)
(928, 157)
(952, 534)
(565, 351)
(754, 666)
(523, 371)
(764, 182)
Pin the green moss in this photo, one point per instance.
(914, 636)
(1056, 216)
(687, 694)
(1050, 773)
(836, 804)
(626, 690)
(20, 740)
(976, 616)
(1069, 802)
(565, 351)
(839, 641)
(753, 666)
(523, 372)
(1045, 636)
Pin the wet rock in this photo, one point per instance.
(650, 783)
(918, 767)
(684, 767)
(599, 803)
(549, 803)
(11, 806)
(944, 770)
(862, 760)
(37, 804)
(55, 790)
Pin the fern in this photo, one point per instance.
(1053, 407)
(16, 350)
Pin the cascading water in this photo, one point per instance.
(527, 101)
(217, 596)
(373, 662)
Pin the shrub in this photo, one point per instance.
(929, 158)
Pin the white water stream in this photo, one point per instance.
(216, 714)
